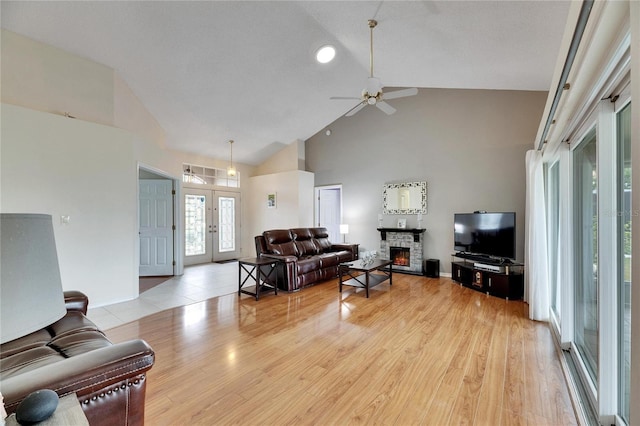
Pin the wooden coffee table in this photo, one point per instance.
(361, 275)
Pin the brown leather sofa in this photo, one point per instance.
(73, 356)
(306, 255)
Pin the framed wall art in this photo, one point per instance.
(272, 200)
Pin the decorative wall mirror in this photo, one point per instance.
(405, 198)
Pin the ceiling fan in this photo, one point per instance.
(372, 94)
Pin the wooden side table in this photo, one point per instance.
(68, 412)
(255, 267)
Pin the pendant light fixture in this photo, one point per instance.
(231, 171)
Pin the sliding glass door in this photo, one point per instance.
(585, 217)
(599, 288)
(589, 159)
(553, 237)
(623, 122)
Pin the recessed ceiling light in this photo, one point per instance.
(325, 54)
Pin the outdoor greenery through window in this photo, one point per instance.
(201, 175)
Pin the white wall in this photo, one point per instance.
(130, 114)
(468, 145)
(294, 208)
(291, 157)
(42, 77)
(45, 78)
(60, 166)
(306, 195)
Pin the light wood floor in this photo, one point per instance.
(424, 351)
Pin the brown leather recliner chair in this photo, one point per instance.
(73, 356)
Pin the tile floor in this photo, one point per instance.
(199, 282)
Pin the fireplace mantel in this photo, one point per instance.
(415, 231)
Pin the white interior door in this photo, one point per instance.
(329, 210)
(212, 225)
(156, 227)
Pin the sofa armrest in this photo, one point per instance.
(353, 248)
(289, 271)
(76, 301)
(83, 374)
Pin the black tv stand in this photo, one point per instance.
(496, 277)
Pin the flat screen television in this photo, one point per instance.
(487, 234)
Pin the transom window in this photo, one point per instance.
(201, 175)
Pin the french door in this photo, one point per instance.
(212, 225)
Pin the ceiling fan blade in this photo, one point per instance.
(385, 107)
(355, 109)
(344, 97)
(401, 93)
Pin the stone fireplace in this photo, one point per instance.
(403, 247)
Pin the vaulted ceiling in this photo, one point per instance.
(210, 71)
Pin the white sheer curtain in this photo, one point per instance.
(536, 277)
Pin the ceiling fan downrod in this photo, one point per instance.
(372, 25)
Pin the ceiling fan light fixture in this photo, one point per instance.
(325, 54)
(374, 86)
